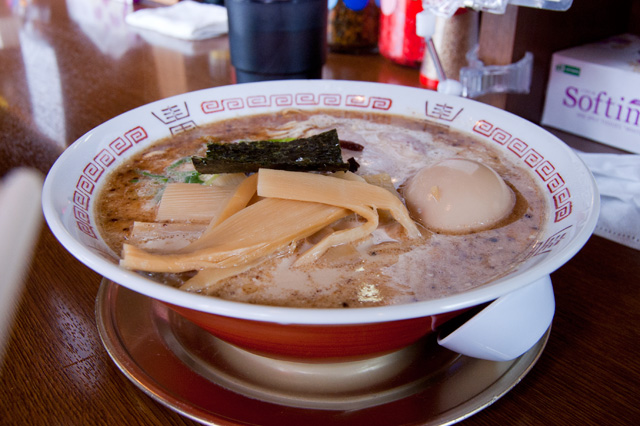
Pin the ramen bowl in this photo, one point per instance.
(72, 185)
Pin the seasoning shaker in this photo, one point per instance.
(353, 26)
(453, 38)
(398, 39)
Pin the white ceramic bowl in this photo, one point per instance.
(75, 179)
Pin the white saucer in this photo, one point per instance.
(197, 375)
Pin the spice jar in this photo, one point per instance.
(398, 39)
(353, 26)
(453, 38)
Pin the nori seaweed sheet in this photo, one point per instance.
(320, 152)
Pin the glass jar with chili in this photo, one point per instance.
(353, 26)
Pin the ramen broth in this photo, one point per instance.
(387, 268)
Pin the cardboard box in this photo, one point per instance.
(594, 92)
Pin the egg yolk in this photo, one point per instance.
(458, 196)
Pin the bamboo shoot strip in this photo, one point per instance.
(243, 193)
(188, 202)
(207, 278)
(337, 192)
(316, 153)
(355, 195)
(342, 237)
(165, 237)
(258, 230)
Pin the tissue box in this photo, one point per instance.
(594, 91)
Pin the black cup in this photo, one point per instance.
(277, 39)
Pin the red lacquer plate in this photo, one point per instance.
(191, 372)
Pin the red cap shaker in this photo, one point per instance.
(398, 40)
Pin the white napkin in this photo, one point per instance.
(618, 180)
(187, 20)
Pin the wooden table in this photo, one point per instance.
(67, 67)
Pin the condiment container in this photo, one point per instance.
(453, 38)
(277, 39)
(353, 26)
(398, 40)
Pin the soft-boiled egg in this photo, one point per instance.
(458, 195)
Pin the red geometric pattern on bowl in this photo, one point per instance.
(366, 102)
(175, 117)
(442, 111)
(545, 170)
(94, 170)
(549, 243)
(295, 99)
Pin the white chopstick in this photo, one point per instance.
(20, 220)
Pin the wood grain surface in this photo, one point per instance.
(65, 71)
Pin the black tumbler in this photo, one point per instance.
(277, 39)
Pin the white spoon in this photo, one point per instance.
(508, 327)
